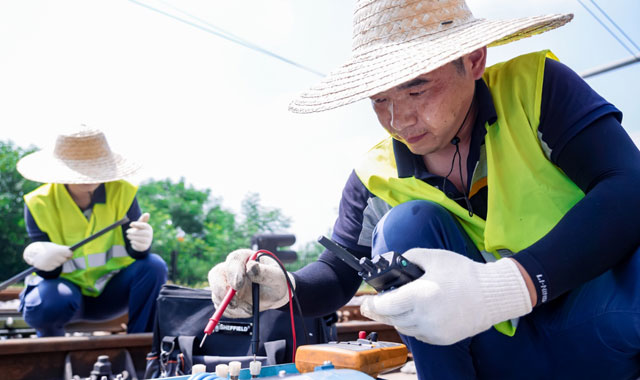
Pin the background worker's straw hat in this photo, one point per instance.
(395, 41)
(79, 157)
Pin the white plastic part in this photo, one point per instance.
(234, 368)
(222, 370)
(198, 368)
(254, 368)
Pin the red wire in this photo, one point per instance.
(293, 329)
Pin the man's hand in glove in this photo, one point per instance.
(456, 298)
(140, 233)
(45, 255)
(238, 273)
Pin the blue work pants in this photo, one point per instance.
(591, 332)
(51, 304)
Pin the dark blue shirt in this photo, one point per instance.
(581, 133)
(99, 196)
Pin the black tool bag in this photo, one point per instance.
(182, 314)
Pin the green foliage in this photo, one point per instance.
(13, 235)
(210, 231)
(258, 219)
(181, 205)
(306, 254)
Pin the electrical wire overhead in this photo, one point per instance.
(616, 25)
(607, 28)
(219, 32)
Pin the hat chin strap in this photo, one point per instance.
(455, 140)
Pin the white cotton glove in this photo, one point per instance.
(238, 273)
(45, 255)
(140, 233)
(456, 298)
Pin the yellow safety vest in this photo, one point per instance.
(56, 214)
(527, 193)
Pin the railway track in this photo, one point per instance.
(44, 358)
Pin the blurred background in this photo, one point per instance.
(198, 92)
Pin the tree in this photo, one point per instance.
(210, 231)
(182, 204)
(308, 253)
(13, 235)
(258, 219)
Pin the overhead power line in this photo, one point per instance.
(616, 25)
(607, 28)
(212, 29)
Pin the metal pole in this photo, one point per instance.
(609, 67)
(174, 265)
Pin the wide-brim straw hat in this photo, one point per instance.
(78, 157)
(395, 41)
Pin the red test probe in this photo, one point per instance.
(215, 318)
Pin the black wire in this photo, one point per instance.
(464, 188)
(293, 294)
(607, 28)
(455, 142)
(614, 24)
(224, 34)
(453, 163)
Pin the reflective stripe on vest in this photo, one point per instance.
(57, 215)
(94, 259)
(521, 207)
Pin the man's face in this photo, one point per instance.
(426, 112)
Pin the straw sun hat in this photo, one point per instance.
(79, 157)
(395, 41)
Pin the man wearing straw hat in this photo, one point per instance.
(83, 193)
(512, 186)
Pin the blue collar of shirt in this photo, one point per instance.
(410, 164)
(99, 195)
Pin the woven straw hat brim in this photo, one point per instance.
(391, 64)
(43, 166)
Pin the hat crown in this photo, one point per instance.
(383, 22)
(79, 156)
(84, 145)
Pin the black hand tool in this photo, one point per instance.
(385, 272)
(28, 271)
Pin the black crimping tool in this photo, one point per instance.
(385, 272)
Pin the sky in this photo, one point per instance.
(188, 103)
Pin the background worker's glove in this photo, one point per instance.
(456, 298)
(140, 233)
(45, 255)
(238, 273)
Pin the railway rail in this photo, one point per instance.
(48, 358)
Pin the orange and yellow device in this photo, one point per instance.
(364, 355)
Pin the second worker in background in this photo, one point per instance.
(105, 278)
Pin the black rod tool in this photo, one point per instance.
(18, 277)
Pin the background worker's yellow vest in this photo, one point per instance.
(527, 194)
(56, 214)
